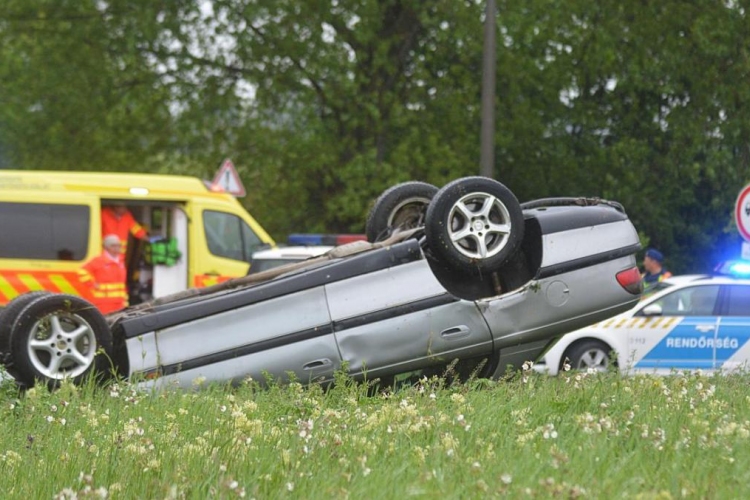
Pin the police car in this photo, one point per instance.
(689, 322)
(300, 247)
(263, 260)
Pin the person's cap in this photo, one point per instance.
(655, 254)
(111, 239)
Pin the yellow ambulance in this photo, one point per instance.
(50, 225)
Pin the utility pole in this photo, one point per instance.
(489, 63)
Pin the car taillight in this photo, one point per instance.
(630, 280)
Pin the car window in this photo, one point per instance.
(691, 301)
(229, 236)
(658, 287)
(44, 231)
(739, 300)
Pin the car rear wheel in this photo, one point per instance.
(591, 354)
(8, 317)
(57, 337)
(402, 206)
(474, 224)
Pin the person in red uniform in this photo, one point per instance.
(106, 276)
(117, 219)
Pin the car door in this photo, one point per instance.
(224, 247)
(257, 332)
(683, 336)
(400, 319)
(732, 346)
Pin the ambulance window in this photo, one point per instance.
(739, 300)
(44, 231)
(229, 236)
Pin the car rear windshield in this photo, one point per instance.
(44, 231)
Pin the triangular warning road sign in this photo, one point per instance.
(228, 179)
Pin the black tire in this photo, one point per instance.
(468, 235)
(590, 354)
(8, 317)
(42, 347)
(402, 206)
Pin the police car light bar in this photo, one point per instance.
(734, 268)
(310, 239)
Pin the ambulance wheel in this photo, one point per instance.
(591, 354)
(59, 337)
(8, 317)
(474, 224)
(402, 206)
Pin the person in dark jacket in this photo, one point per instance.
(654, 270)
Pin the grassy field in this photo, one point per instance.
(575, 436)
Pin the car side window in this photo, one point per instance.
(229, 236)
(739, 300)
(44, 231)
(692, 301)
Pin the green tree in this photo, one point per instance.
(322, 104)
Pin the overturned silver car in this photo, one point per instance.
(463, 276)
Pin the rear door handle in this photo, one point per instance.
(456, 332)
(318, 363)
(705, 328)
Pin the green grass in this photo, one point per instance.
(577, 435)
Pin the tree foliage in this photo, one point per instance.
(323, 104)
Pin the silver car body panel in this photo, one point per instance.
(565, 246)
(382, 289)
(244, 341)
(384, 312)
(400, 319)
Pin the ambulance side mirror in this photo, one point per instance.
(652, 310)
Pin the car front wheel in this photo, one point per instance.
(57, 337)
(591, 354)
(474, 224)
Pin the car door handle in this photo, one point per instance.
(318, 363)
(455, 332)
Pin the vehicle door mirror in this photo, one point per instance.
(652, 310)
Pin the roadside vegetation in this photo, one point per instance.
(579, 435)
(323, 105)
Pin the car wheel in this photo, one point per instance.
(8, 317)
(402, 206)
(474, 224)
(590, 354)
(60, 336)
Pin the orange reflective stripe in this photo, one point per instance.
(14, 283)
(112, 286)
(7, 292)
(204, 280)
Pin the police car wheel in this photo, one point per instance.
(591, 354)
(59, 337)
(474, 224)
(8, 317)
(402, 206)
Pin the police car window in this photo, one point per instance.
(44, 231)
(739, 300)
(692, 301)
(229, 236)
